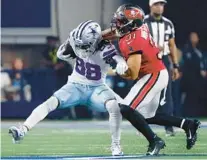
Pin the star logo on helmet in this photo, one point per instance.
(93, 31)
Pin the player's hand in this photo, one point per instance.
(121, 68)
(175, 74)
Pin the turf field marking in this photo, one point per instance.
(138, 156)
(76, 157)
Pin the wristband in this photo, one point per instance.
(175, 65)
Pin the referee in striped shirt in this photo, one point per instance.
(163, 33)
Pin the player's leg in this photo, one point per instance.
(67, 96)
(149, 105)
(39, 113)
(139, 95)
(115, 118)
(139, 122)
(103, 100)
(189, 126)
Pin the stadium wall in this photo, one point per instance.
(100, 11)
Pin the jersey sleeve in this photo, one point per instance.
(172, 28)
(137, 45)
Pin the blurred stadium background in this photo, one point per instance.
(31, 31)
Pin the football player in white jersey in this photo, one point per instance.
(86, 85)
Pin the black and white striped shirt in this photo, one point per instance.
(161, 30)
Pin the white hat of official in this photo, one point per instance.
(151, 2)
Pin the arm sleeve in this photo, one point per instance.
(172, 34)
(137, 46)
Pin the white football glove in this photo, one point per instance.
(121, 67)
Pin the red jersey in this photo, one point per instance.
(141, 42)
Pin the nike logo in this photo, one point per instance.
(190, 136)
(162, 102)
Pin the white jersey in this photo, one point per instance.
(91, 70)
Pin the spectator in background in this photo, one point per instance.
(19, 87)
(193, 59)
(194, 73)
(50, 60)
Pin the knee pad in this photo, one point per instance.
(51, 103)
(112, 106)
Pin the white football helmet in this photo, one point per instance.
(87, 37)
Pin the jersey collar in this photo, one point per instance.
(152, 19)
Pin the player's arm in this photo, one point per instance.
(110, 34)
(135, 51)
(172, 45)
(174, 58)
(65, 51)
(173, 53)
(134, 64)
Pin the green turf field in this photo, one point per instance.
(97, 142)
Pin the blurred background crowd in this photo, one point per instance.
(33, 30)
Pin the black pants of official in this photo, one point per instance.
(167, 108)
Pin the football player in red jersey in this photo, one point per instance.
(150, 74)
